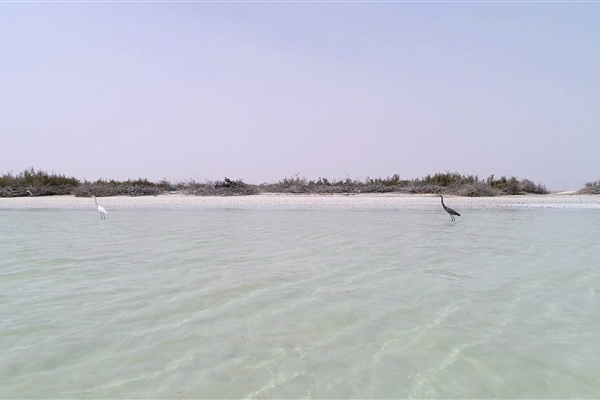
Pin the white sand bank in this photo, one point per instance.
(284, 201)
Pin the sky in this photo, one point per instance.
(260, 91)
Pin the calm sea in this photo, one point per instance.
(299, 303)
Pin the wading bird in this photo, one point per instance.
(101, 210)
(448, 209)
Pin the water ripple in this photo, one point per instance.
(299, 303)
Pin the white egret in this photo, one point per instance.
(101, 210)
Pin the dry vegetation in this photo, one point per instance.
(41, 183)
(444, 183)
(36, 183)
(590, 188)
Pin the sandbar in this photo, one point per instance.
(297, 201)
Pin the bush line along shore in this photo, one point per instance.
(40, 183)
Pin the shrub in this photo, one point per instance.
(394, 180)
(32, 178)
(477, 189)
(591, 188)
(528, 186)
(496, 183)
(40, 183)
(448, 179)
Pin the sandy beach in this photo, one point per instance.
(290, 201)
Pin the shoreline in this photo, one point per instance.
(302, 201)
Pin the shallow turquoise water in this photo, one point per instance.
(299, 303)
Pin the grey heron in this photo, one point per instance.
(448, 209)
(101, 210)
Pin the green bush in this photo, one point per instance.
(448, 179)
(32, 178)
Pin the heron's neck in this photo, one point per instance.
(441, 198)
(96, 200)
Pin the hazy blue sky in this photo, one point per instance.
(261, 91)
